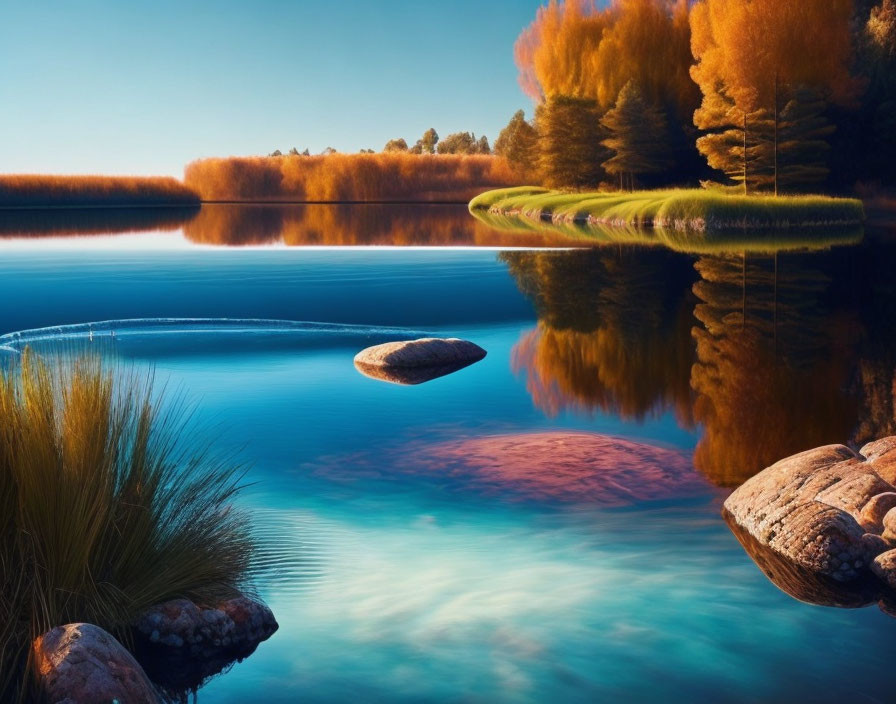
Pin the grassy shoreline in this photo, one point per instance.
(620, 232)
(694, 210)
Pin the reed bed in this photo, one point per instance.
(42, 191)
(104, 511)
(342, 178)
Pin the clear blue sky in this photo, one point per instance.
(120, 86)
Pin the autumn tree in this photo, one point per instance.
(637, 138)
(570, 148)
(575, 49)
(396, 145)
(751, 55)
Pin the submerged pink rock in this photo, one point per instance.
(577, 467)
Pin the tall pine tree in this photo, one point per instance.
(638, 137)
(803, 134)
(570, 149)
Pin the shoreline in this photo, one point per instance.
(200, 203)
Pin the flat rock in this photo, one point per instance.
(82, 664)
(807, 508)
(416, 361)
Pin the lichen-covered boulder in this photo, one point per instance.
(235, 626)
(82, 664)
(416, 361)
(180, 644)
(807, 508)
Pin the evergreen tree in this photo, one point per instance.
(518, 143)
(482, 145)
(638, 136)
(803, 147)
(569, 143)
(739, 145)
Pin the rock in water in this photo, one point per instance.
(815, 509)
(83, 664)
(180, 644)
(884, 566)
(416, 361)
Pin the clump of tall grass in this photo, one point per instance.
(44, 191)
(349, 177)
(104, 511)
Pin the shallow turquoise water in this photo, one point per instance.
(394, 581)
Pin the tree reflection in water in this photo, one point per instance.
(353, 225)
(612, 331)
(768, 354)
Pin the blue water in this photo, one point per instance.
(394, 582)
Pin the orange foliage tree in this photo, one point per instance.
(575, 49)
(751, 55)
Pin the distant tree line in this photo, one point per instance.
(767, 95)
(429, 143)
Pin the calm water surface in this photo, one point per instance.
(410, 554)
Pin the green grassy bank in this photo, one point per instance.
(695, 210)
(630, 218)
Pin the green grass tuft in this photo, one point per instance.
(103, 511)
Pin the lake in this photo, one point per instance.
(544, 525)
